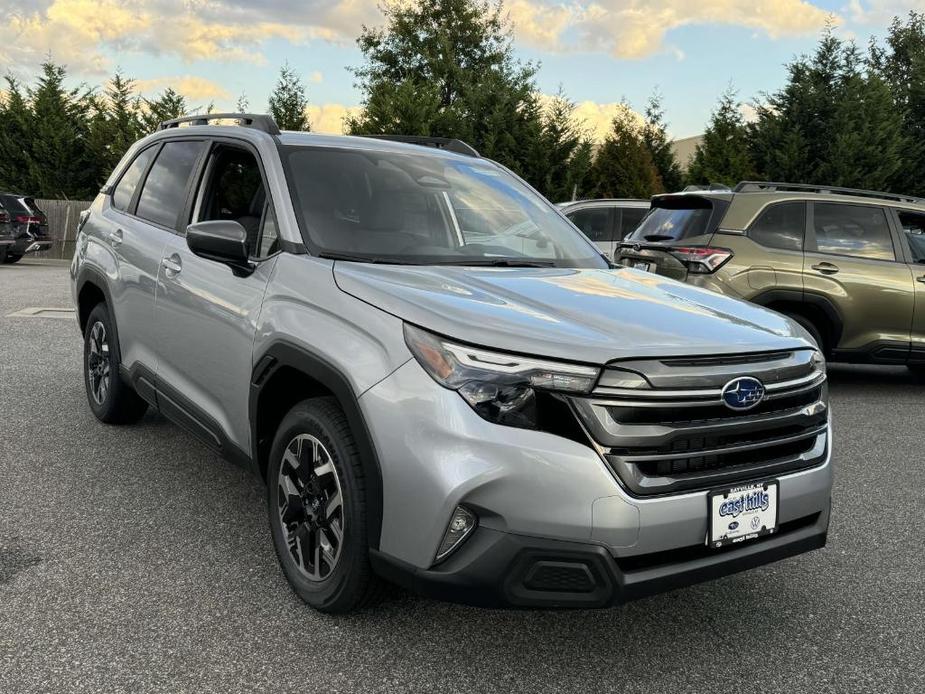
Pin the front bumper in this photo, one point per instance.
(496, 569)
(436, 453)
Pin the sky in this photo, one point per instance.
(599, 51)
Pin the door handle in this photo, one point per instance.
(825, 268)
(172, 265)
(115, 237)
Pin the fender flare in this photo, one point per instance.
(285, 354)
(91, 275)
(818, 301)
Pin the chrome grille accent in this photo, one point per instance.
(679, 435)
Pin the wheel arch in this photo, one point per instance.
(816, 308)
(287, 374)
(92, 288)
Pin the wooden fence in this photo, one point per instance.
(62, 225)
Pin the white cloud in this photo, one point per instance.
(632, 29)
(192, 87)
(329, 118)
(881, 12)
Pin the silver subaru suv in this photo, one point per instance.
(440, 379)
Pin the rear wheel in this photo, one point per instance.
(112, 399)
(316, 500)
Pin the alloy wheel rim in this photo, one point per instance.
(310, 507)
(99, 367)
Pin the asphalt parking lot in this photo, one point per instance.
(131, 559)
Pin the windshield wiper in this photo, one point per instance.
(658, 237)
(362, 258)
(498, 262)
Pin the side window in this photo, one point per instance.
(594, 222)
(913, 226)
(632, 216)
(234, 190)
(164, 190)
(855, 230)
(125, 188)
(780, 226)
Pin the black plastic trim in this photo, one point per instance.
(819, 301)
(491, 569)
(282, 354)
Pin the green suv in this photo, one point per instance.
(848, 265)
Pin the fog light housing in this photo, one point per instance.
(461, 526)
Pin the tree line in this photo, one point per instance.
(447, 68)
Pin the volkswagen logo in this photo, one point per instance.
(743, 393)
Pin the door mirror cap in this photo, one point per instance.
(223, 240)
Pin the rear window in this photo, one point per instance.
(675, 219)
(14, 205)
(631, 218)
(594, 222)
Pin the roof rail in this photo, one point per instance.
(447, 143)
(248, 120)
(714, 187)
(772, 187)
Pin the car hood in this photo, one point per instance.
(592, 316)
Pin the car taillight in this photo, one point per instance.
(702, 259)
(4, 218)
(27, 219)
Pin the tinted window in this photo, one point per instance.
(913, 226)
(854, 230)
(14, 205)
(781, 226)
(594, 222)
(632, 216)
(165, 188)
(122, 195)
(673, 220)
(235, 191)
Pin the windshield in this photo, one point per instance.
(426, 209)
(664, 224)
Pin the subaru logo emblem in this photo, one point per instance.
(743, 393)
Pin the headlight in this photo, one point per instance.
(499, 387)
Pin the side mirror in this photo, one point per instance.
(223, 240)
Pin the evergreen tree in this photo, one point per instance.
(566, 152)
(834, 122)
(901, 63)
(114, 123)
(446, 68)
(655, 137)
(15, 138)
(723, 155)
(242, 104)
(60, 163)
(288, 101)
(167, 106)
(623, 167)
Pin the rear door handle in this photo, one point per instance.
(825, 268)
(115, 237)
(172, 265)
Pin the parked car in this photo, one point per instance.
(440, 380)
(29, 227)
(6, 232)
(848, 265)
(606, 222)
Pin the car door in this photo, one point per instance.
(206, 312)
(597, 223)
(851, 259)
(911, 226)
(128, 249)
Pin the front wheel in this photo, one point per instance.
(316, 500)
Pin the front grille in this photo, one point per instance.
(680, 436)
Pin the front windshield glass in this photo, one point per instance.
(426, 209)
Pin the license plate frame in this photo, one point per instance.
(642, 265)
(740, 513)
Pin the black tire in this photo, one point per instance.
(117, 402)
(811, 329)
(10, 259)
(918, 370)
(350, 584)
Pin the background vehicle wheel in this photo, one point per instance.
(112, 399)
(316, 500)
(9, 259)
(811, 329)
